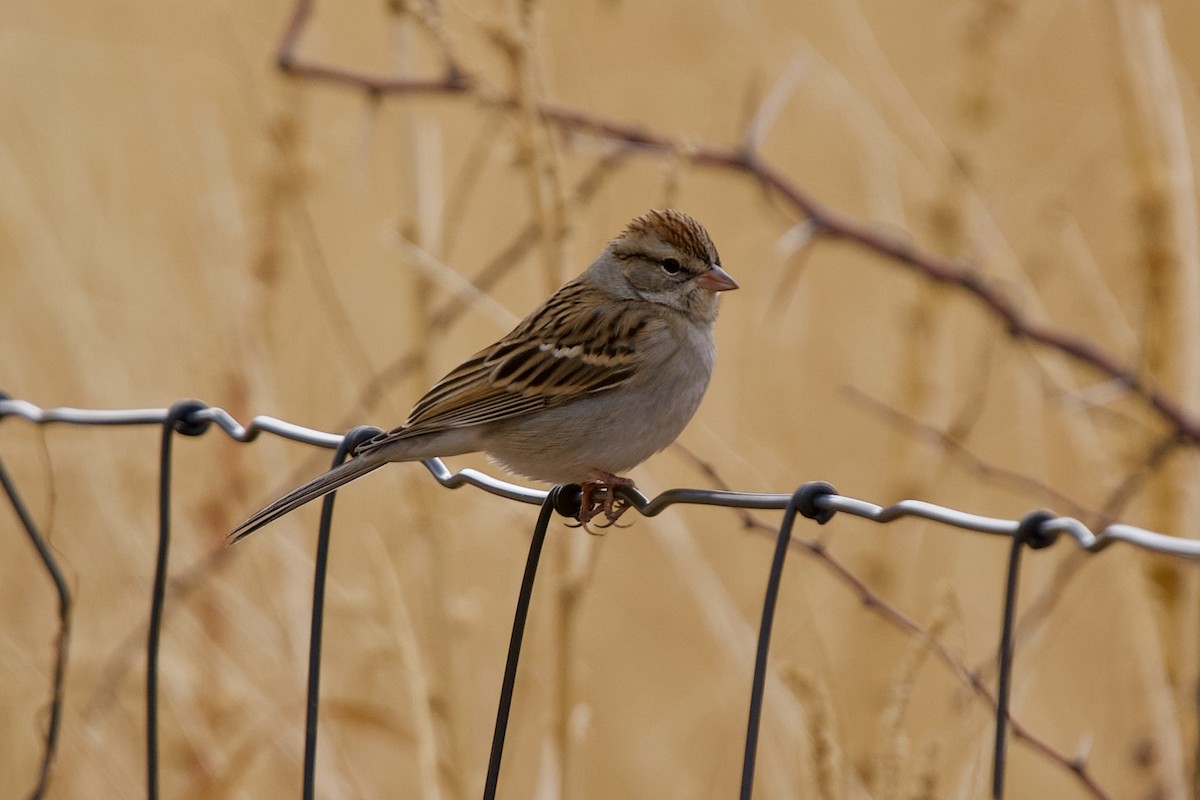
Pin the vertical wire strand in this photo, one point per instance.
(64, 630)
(1004, 678)
(1029, 532)
(320, 570)
(180, 419)
(157, 597)
(514, 643)
(764, 644)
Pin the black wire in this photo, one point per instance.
(803, 502)
(350, 441)
(156, 610)
(1028, 533)
(1005, 677)
(180, 419)
(64, 629)
(764, 644)
(553, 500)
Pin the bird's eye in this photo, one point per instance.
(671, 266)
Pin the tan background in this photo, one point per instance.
(178, 219)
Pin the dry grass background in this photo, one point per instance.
(178, 218)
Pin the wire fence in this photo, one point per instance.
(817, 501)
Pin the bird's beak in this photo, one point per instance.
(716, 279)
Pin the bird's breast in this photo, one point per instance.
(614, 430)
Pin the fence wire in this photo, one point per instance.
(817, 501)
(1083, 536)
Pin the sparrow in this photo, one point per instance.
(600, 377)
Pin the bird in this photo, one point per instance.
(605, 373)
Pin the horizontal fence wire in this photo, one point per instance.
(816, 501)
(649, 507)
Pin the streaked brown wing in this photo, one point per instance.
(578, 342)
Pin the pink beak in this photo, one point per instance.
(716, 280)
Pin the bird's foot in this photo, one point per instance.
(590, 506)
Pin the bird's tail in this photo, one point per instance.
(318, 486)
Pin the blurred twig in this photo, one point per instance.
(987, 472)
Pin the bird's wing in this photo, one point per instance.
(578, 342)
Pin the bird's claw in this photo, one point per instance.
(607, 503)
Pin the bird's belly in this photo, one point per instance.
(612, 432)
